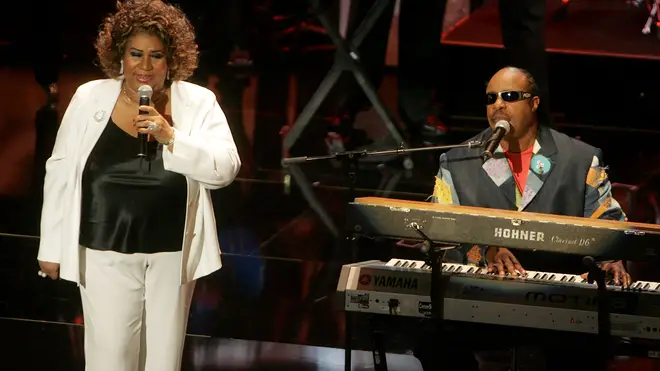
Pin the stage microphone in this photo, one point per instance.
(502, 127)
(144, 93)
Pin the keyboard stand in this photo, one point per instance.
(378, 351)
(346, 59)
(513, 365)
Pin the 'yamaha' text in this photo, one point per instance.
(519, 234)
(395, 282)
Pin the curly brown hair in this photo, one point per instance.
(157, 18)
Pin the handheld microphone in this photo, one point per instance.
(144, 93)
(502, 127)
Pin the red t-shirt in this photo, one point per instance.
(519, 163)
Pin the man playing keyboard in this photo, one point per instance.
(534, 169)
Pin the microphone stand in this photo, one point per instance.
(356, 155)
(434, 254)
(595, 273)
(350, 159)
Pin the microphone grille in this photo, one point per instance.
(504, 125)
(145, 91)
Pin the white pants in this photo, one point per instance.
(136, 312)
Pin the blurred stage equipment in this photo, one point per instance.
(347, 59)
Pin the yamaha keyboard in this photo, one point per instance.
(540, 300)
(606, 239)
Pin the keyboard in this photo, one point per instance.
(540, 300)
(603, 239)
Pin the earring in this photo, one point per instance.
(168, 74)
(121, 67)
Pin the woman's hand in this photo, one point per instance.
(154, 124)
(49, 269)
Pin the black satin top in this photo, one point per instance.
(130, 205)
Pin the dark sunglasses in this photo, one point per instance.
(507, 96)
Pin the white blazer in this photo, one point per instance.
(204, 151)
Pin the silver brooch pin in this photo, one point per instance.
(99, 116)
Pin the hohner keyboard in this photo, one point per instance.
(391, 218)
(540, 300)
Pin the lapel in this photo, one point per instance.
(180, 105)
(499, 172)
(540, 167)
(96, 115)
(102, 101)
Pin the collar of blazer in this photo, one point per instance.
(99, 100)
